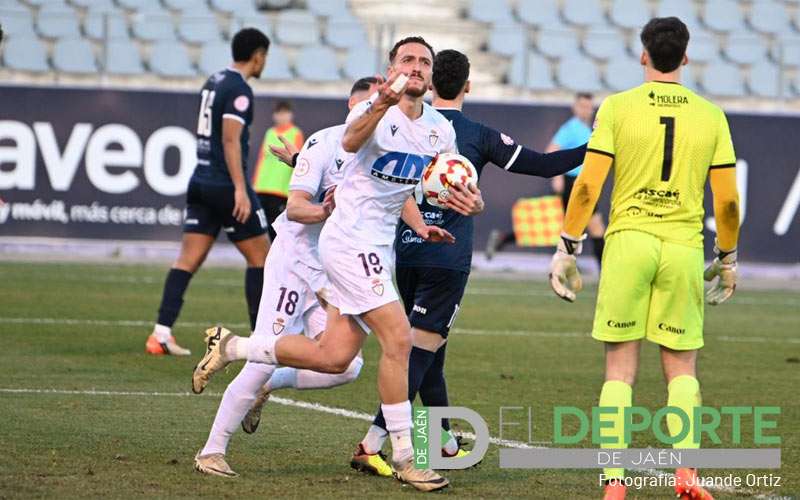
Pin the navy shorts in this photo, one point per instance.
(432, 296)
(209, 208)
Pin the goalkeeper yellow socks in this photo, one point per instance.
(684, 393)
(615, 394)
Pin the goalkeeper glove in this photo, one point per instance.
(724, 267)
(565, 279)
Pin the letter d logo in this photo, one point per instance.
(435, 416)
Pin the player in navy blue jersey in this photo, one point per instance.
(431, 278)
(219, 196)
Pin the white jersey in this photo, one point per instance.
(321, 164)
(386, 170)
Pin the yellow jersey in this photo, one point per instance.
(663, 138)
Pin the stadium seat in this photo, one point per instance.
(297, 27)
(584, 12)
(170, 59)
(327, 8)
(623, 73)
(140, 5)
(42, 3)
(17, 22)
(57, 21)
(764, 79)
(122, 58)
(540, 13)
(745, 49)
(344, 31)
(94, 4)
(360, 62)
(276, 4)
(214, 56)
(703, 48)
(786, 52)
(256, 20)
(631, 14)
(497, 11)
(531, 71)
(604, 43)
(683, 9)
(153, 26)
(100, 25)
(237, 7)
(578, 74)
(74, 56)
(508, 39)
(187, 6)
(277, 65)
(769, 17)
(722, 79)
(557, 43)
(198, 28)
(317, 64)
(723, 15)
(25, 54)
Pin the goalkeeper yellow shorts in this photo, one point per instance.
(650, 288)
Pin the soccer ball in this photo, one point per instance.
(442, 172)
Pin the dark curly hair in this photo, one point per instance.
(450, 73)
(409, 39)
(665, 39)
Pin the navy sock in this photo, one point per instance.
(598, 244)
(172, 297)
(418, 364)
(253, 283)
(433, 390)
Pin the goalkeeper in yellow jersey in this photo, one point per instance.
(663, 141)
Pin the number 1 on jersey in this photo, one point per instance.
(669, 144)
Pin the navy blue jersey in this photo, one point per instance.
(226, 95)
(480, 145)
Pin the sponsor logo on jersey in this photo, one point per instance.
(433, 138)
(241, 103)
(278, 326)
(420, 309)
(508, 141)
(671, 329)
(377, 287)
(302, 168)
(311, 143)
(399, 167)
(409, 237)
(393, 128)
(667, 101)
(339, 163)
(621, 324)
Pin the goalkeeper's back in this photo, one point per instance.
(664, 139)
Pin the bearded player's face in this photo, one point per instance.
(415, 61)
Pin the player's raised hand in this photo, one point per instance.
(286, 153)
(390, 91)
(436, 234)
(724, 267)
(241, 206)
(565, 280)
(329, 202)
(465, 199)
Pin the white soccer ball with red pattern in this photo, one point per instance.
(442, 172)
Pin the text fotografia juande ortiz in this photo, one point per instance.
(718, 482)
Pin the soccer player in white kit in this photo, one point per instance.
(395, 135)
(293, 278)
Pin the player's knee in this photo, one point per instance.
(353, 370)
(399, 348)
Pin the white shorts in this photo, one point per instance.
(287, 298)
(360, 274)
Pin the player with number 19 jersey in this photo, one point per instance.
(356, 243)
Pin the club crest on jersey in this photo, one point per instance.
(241, 103)
(508, 141)
(302, 168)
(278, 326)
(433, 138)
(399, 167)
(393, 128)
(377, 287)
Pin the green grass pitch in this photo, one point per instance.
(121, 424)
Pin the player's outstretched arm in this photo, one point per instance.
(530, 162)
(362, 128)
(300, 208)
(288, 153)
(726, 214)
(232, 148)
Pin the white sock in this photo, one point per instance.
(398, 423)
(373, 441)
(235, 404)
(450, 445)
(292, 378)
(256, 349)
(162, 333)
